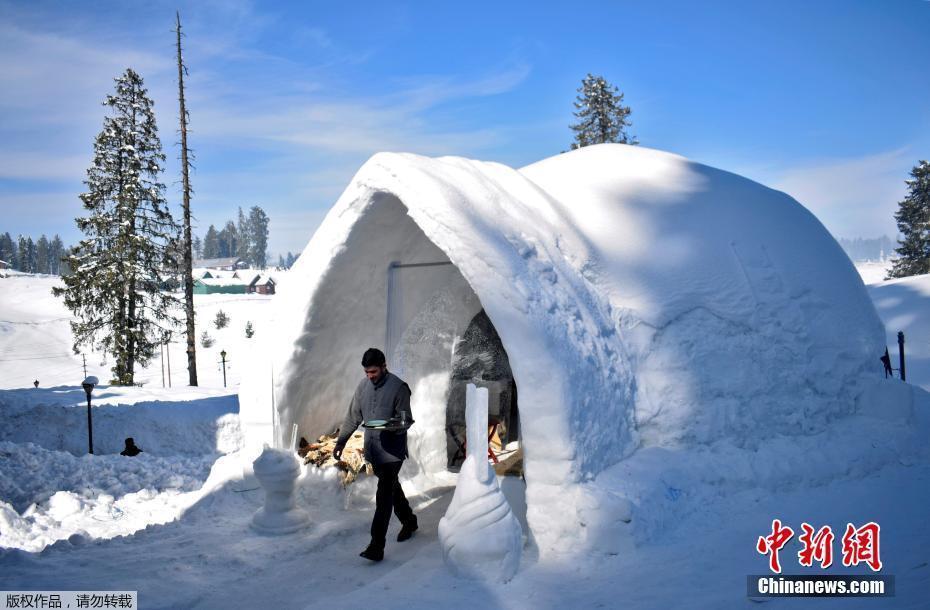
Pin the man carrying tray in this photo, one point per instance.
(383, 403)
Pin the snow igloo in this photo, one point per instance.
(632, 298)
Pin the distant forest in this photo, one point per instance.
(861, 249)
(39, 256)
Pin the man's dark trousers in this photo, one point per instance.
(390, 496)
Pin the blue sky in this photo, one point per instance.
(827, 100)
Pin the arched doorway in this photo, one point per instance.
(479, 358)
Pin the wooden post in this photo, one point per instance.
(901, 354)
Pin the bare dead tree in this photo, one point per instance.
(186, 186)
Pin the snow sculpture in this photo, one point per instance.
(277, 470)
(479, 534)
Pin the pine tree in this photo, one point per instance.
(913, 217)
(211, 243)
(7, 249)
(56, 251)
(197, 247)
(42, 255)
(258, 226)
(22, 254)
(601, 115)
(118, 265)
(229, 240)
(244, 247)
(32, 264)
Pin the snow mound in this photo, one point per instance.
(31, 474)
(51, 495)
(56, 419)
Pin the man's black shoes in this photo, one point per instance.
(406, 532)
(372, 553)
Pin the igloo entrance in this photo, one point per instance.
(480, 359)
(389, 286)
(440, 350)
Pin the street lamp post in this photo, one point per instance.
(223, 356)
(88, 386)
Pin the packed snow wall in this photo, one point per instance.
(641, 298)
(741, 315)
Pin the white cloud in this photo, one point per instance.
(26, 165)
(298, 139)
(360, 125)
(854, 197)
(47, 78)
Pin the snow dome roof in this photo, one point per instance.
(642, 299)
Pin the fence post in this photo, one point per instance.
(901, 354)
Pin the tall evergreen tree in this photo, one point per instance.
(7, 249)
(32, 264)
(197, 247)
(22, 254)
(228, 240)
(56, 251)
(601, 115)
(913, 217)
(243, 230)
(258, 228)
(42, 255)
(211, 243)
(118, 265)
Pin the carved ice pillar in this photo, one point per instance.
(479, 534)
(277, 471)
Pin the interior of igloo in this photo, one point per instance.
(391, 287)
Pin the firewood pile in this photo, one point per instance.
(351, 465)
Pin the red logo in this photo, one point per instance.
(771, 544)
(859, 545)
(817, 546)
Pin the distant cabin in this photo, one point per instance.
(4, 265)
(222, 264)
(262, 284)
(220, 285)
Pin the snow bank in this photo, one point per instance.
(902, 304)
(32, 474)
(50, 495)
(643, 300)
(56, 419)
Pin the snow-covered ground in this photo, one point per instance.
(173, 523)
(35, 339)
(873, 272)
